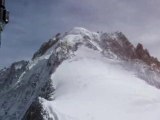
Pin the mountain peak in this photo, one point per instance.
(73, 63)
(79, 30)
(115, 42)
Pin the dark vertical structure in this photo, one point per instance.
(4, 16)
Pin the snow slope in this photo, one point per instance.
(90, 86)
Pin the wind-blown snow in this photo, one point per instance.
(83, 32)
(92, 87)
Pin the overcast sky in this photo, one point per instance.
(34, 21)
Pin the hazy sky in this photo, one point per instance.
(34, 21)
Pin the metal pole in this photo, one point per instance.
(0, 39)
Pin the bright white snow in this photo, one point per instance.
(92, 87)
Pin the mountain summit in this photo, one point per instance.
(83, 75)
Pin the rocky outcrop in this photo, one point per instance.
(118, 44)
(145, 56)
(124, 49)
(45, 46)
(34, 112)
(10, 75)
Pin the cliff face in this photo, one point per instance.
(124, 49)
(119, 45)
(9, 76)
(45, 46)
(145, 56)
(24, 84)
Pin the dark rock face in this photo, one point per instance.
(144, 55)
(45, 46)
(34, 83)
(34, 112)
(9, 76)
(121, 46)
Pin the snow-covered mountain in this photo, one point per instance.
(83, 75)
